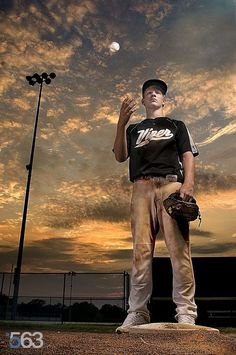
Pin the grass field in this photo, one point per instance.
(76, 327)
(65, 327)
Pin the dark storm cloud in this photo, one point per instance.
(201, 233)
(52, 251)
(59, 254)
(215, 248)
(99, 198)
(109, 199)
(222, 153)
(208, 180)
(6, 247)
(122, 254)
(112, 210)
(6, 5)
(201, 23)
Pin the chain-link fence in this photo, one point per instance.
(72, 296)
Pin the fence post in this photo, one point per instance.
(127, 290)
(124, 293)
(9, 292)
(2, 307)
(63, 299)
(3, 277)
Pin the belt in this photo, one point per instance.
(170, 178)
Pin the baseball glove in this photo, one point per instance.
(176, 207)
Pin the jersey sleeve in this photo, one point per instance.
(128, 130)
(184, 140)
(128, 139)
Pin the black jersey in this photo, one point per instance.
(155, 147)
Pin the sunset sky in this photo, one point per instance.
(78, 217)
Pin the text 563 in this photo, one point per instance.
(25, 340)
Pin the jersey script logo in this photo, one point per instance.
(147, 135)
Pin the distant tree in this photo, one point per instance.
(52, 310)
(32, 308)
(4, 301)
(37, 302)
(111, 313)
(84, 312)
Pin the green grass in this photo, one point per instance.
(66, 327)
(76, 327)
(227, 329)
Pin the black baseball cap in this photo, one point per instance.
(160, 84)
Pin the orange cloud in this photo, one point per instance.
(6, 82)
(74, 124)
(222, 200)
(228, 129)
(188, 91)
(11, 192)
(10, 124)
(22, 104)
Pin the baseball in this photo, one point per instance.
(114, 47)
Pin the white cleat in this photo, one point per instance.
(132, 319)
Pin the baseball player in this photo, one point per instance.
(161, 161)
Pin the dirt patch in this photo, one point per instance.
(162, 343)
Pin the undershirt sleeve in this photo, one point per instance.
(184, 140)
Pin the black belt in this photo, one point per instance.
(169, 177)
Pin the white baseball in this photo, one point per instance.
(114, 47)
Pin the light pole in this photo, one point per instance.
(32, 80)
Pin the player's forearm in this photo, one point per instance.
(189, 168)
(120, 144)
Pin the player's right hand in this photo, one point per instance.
(128, 107)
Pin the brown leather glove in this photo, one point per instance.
(177, 208)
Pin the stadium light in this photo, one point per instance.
(32, 80)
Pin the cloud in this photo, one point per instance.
(22, 104)
(122, 254)
(54, 112)
(11, 193)
(109, 199)
(26, 45)
(215, 249)
(208, 180)
(200, 101)
(229, 129)
(9, 124)
(201, 233)
(57, 254)
(83, 101)
(98, 199)
(222, 200)
(6, 81)
(154, 13)
(70, 253)
(74, 124)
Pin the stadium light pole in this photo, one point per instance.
(32, 80)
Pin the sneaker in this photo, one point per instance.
(132, 319)
(185, 319)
